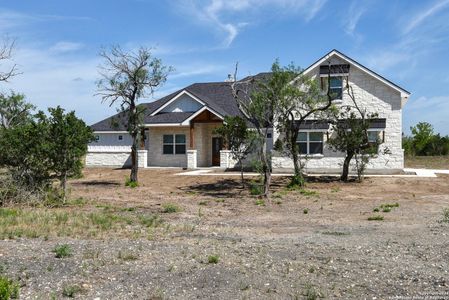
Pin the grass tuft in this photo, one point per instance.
(376, 218)
(212, 259)
(170, 208)
(130, 183)
(62, 251)
(9, 289)
(260, 202)
(71, 290)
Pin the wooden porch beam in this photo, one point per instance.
(192, 135)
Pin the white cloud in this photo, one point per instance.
(353, 15)
(421, 17)
(61, 47)
(215, 13)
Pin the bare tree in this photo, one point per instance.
(258, 105)
(127, 77)
(6, 52)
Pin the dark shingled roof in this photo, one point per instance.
(216, 95)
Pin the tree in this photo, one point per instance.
(68, 137)
(350, 136)
(45, 148)
(300, 97)
(126, 77)
(24, 152)
(14, 110)
(422, 135)
(238, 139)
(258, 105)
(6, 51)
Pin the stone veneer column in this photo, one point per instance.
(225, 159)
(192, 159)
(142, 158)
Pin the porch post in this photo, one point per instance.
(192, 135)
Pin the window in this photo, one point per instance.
(336, 86)
(174, 144)
(269, 136)
(310, 142)
(120, 137)
(97, 138)
(373, 136)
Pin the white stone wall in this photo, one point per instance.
(108, 159)
(376, 97)
(156, 157)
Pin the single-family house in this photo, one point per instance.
(179, 128)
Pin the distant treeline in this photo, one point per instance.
(424, 142)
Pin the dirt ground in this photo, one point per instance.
(312, 244)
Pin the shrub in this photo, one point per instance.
(9, 289)
(212, 259)
(150, 221)
(308, 193)
(305, 211)
(255, 188)
(170, 208)
(62, 251)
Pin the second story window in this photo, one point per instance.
(335, 84)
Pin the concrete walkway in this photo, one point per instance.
(425, 173)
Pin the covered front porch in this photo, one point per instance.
(190, 144)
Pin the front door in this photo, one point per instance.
(217, 145)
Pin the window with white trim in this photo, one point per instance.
(374, 136)
(174, 144)
(120, 137)
(336, 86)
(310, 142)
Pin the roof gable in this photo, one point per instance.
(342, 57)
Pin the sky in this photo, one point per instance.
(58, 42)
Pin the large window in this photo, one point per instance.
(310, 142)
(174, 144)
(336, 86)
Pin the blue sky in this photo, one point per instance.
(58, 44)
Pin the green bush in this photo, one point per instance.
(255, 188)
(62, 251)
(9, 289)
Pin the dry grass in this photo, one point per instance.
(430, 162)
(67, 222)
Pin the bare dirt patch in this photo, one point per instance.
(313, 244)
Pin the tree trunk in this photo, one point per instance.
(241, 173)
(63, 186)
(134, 158)
(345, 173)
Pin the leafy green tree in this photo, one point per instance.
(350, 136)
(68, 137)
(45, 148)
(14, 110)
(237, 138)
(127, 77)
(299, 98)
(422, 135)
(24, 151)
